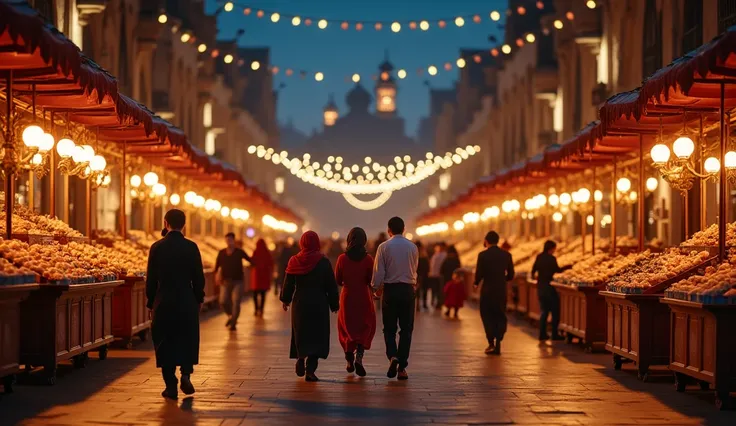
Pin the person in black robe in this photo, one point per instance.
(175, 293)
(544, 269)
(311, 291)
(289, 249)
(422, 277)
(494, 268)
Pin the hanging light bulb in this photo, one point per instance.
(557, 217)
(46, 143)
(98, 163)
(652, 184)
(275, 17)
(711, 165)
(730, 160)
(623, 185)
(683, 147)
(32, 136)
(660, 153)
(174, 199)
(135, 181)
(150, 179)
(598, 196)
(565, 199)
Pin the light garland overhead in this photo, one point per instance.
(396, 26)
(369, 178)
(367, 205)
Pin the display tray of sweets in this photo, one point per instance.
(209, 254)
(142, 238)
(55, 263)
(656, 272)
(709, 237)
(597, 270)
(13, 275)
(27, 222)
(716, 285)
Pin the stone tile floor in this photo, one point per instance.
(246, 378)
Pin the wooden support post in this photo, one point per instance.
(9, 177)
(641, 198)
(723, 181)
(123, 227)
(52, 181)
(592, 213)
(88, 210)
(31, 191)
(613, 209)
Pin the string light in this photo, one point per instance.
(202, 48)
(356, 78)
(228, 59)
(434, 228)
(319, 76)
(255, 65)
(402, 74)
(357, 180)
(432, 70)
(460, 63)
(358, 25)
(367, 205)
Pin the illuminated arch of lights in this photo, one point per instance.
(367, 205)
(371, 177)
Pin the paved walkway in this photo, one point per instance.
(247, 378)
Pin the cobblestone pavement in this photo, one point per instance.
(246, 378)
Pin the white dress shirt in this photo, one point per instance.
(396, 262)
(435, 264)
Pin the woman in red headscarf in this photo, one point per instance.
(357, 319)
(261, 275)
(310, 289)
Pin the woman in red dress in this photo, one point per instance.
(357, 318)
(261, 275)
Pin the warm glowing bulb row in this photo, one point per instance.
(279, 225)
(371, 178)
(434, 228)
(209, 205)
(395, 26)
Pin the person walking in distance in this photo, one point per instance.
(448, 268)
(435, 273)
(422, 277)
(494, 268)
(395, 274)
(544, 269)
(229, 274)
(175, 293)
(356, 321)
(287, 250)
(261, 275)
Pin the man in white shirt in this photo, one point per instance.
(395, 270)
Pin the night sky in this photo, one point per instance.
(339, 54)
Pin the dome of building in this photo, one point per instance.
(358, 99)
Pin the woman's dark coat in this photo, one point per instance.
(312, 296)
(175, 290)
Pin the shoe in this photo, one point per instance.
(403, 375)
(447, 313)
(233, 327)
(350, 367)
(359, 369)
(170, 394)
(311, 378)
(497, 349)
(543, 338)
(557, 338)
(301, 368)
(186, 385)
(393, 368)
(489, 350)
(229, 322)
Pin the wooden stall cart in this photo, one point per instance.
(522, 285)
(583, 314)
(533, 310)
(11, 297)
(129, 312)
(702, 346)
(60, 322)
(637, 330)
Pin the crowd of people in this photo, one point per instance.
(317, 279)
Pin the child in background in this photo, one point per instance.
(455, 292)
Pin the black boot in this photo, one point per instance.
(359, 369)
(300, 367)
(350, 357)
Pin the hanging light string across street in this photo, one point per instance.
(369, 178)
(394, 26)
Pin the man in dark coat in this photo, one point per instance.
(544, 269)
(495, 267)
(175, 292)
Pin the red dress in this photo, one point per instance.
(261, 268)
(356, 320)
(454, 294)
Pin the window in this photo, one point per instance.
(207, 115)
(652, 48)
(692, 32)
(209, 143)
(386, 99)
(726, 14)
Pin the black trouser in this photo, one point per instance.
(398, 308)
(259, 294)
(493, 315)
(549, 302)
(350, 356)
(434, 284)
(422, 288)
(169, 374)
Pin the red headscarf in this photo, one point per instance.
(308, 256)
